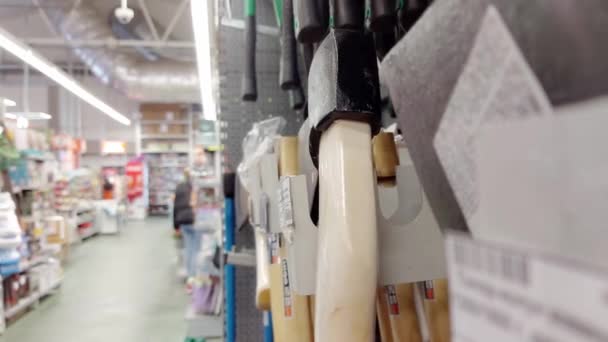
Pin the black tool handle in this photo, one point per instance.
(296, 98)
(308, 52)
(384, 42)
(311, 26)
(383, 15)
(249, 88)
(411, 12)
(288, 73)
(349, 14)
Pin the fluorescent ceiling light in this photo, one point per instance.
(11, 116)
(9, 103)
(29, 115)
(200, 25)
(27, 55)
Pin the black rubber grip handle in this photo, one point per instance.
(288, 72)
(249, 87)
(383, 15)
(349, 14)
(311, 26)
(384, 42)
(296, 98)
(323, 7)
(308, 52)
(411, 12)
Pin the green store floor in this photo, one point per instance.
(121, 288)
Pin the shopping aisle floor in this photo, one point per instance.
(116, 289)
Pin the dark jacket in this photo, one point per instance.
(182, 210)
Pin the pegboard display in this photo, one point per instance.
(236, 118)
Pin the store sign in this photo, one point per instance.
(135, 179)
(113, 147)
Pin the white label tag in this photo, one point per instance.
(502, 294)
(286, 220)
(262, 216)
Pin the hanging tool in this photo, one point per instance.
(290, 311)
(384, 43)
(311, 20)
(383, 15)
(410, 12)
(402, 316)
(349, 14)
(296, 98)
(344, 104)
(437, 308)
(288, 73)
(308, 51)
(382, 311)
(249, 88)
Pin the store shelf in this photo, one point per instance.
(90, 232)
(165, 137)
(167, 166)
(32, 299)
(26, 265)
(167, 122)
(165, 152)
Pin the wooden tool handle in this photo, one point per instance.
(386, 158)
(288, 156)
(262, 298)
(405, 326)
(382, 310)
(438, 312)
(347, 259)
(291, 312)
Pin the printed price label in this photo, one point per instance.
(393, 301)
(429, 290)
(275, 245)
(509, 294)
(287, 299)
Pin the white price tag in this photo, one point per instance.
(504, 294)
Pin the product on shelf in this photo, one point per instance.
(165, 171)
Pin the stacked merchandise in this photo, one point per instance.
(28, 272)
(165, 171)
(73, 196)
(10, 236)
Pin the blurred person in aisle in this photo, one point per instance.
(183, 221)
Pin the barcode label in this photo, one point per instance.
(511, 267)
(509, 293)
(286, 220)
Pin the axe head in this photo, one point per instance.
(343, 81)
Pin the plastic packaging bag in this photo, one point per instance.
(258, 141)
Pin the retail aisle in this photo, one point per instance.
(116, 288)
